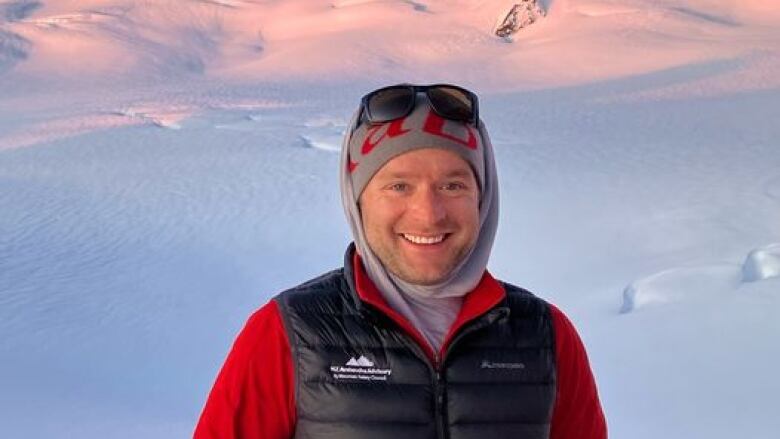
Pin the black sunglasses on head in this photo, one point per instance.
(397, 101)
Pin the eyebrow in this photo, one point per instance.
(460, 173)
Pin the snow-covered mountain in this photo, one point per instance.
(166, 166)
(579, 40)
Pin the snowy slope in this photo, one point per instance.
(315, 39)
(166, 166)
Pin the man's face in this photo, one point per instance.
(420, 214)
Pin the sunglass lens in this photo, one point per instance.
(452, 103)
(389, 104)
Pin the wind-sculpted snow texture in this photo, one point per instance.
(167, 166)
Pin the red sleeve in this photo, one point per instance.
(577, 412)
(253, 396)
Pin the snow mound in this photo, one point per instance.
(323, 133)
(161, 116)
(762, 263)
(163, 37)
(326, 141)
(681, 284)
(689, 283)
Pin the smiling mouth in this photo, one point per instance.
(425, 240)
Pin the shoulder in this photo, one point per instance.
(524, 301)
(567, 340)
(269, 318)
(327, 281)
(568, 345)
(528, 302)
(263, 325)
(324, 294)
(324, 283)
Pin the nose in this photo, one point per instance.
(428, 207)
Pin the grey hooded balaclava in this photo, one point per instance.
(430, 308)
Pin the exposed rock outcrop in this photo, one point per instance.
(520, 15)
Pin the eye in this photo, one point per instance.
(454, 186)
(398, 187)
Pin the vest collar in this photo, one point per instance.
(485, 296)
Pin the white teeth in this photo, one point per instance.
(424, 239)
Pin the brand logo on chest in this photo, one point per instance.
(486, 364)
(359, 369)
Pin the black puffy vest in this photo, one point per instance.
(359, 375)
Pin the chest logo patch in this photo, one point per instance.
(359, 369)
(493, 365)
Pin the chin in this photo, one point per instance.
(426, 278)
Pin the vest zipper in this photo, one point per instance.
(438, 388)
(439, 381)
(438, 392)
(434, 368)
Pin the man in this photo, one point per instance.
(412, 338)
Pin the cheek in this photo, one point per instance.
(469, 217)
(376, 218)
(467, 209)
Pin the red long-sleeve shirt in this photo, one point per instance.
(254, 396)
